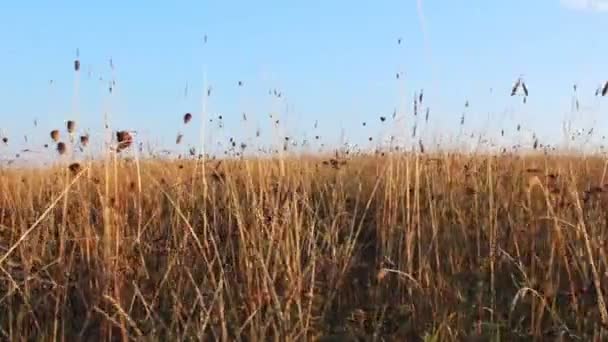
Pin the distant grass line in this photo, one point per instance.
(399, 246)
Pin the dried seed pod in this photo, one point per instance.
(71, 126)
(55, 135)
(5, 140)
(76, 65)
(124, 139)
(84, 140)
(61, 148)
(75, 168)
(525, 88)
(187, 118)
(179, 138)
(516, 87)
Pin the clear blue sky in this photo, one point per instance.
(334, 61)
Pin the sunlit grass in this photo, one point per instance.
(398, 246)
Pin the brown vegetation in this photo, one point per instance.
(402, 247)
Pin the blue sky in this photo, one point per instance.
(334, 62)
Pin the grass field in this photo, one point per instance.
(433, 247)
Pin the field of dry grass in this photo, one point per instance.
(409, 247)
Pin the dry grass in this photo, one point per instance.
(399, 247)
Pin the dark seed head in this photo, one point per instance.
(84, 140)
(55, 135)
(75, 168)
(61, 148)
(187, 118)
(124, 139)
(71, 125)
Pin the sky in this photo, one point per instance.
(334, 62)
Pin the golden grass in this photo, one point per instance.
(400, 247)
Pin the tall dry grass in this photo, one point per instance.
(396, 247)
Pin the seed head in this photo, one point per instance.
(84, 140)
(61, 148)
(71, 125)
(124, 139)
(187, 118)
(55, 135)
(516, 87)
(75, 168)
